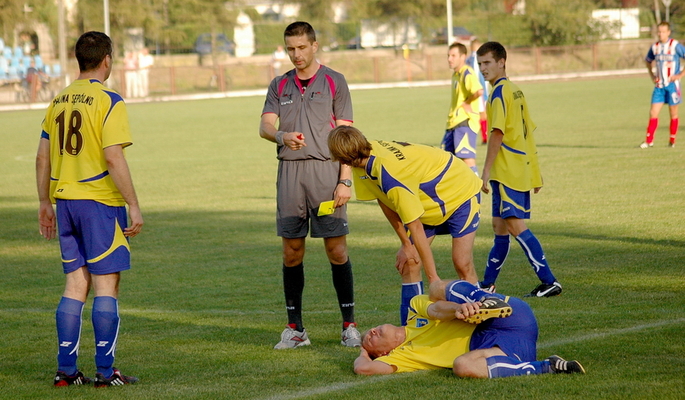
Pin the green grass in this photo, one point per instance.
(203, 304)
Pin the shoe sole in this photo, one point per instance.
(485, 314)
(306, 342)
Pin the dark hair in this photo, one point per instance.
(496, 48)
(300, 28)
(461, 47)
(91, 48)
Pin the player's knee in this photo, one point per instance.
(337, 252)
(293, 256)
(463, 368)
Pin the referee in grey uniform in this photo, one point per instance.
(307, 102)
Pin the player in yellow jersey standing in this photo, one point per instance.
(422, 191)
(463, 119)
(81, 167)
(511, 167)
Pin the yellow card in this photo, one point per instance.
(326, 208)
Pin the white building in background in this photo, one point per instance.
(626, 19)
(281, 11)
(243, 36)
(389, 34)
(273, 10)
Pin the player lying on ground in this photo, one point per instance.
(476, 333)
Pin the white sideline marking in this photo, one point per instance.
(614, 332)
(333, 388)
(343, 386)
(353, 87)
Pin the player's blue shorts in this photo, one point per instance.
(91, 234)
(460, 141)
(516, 335)
(669, 94)
(507, 202)
(463, 221)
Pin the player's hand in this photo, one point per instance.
(407, 257)
(486, 181)
(294, 140)
(466, 310)
(47, 221)
(136, 222)
(342, 195)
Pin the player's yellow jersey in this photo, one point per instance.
(464, 84)
(81, 121)
(516, 165)
(415, 181)
(430, 343)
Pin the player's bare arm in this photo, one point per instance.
(422, 245)
(121, 175)
(364, 365)
(447, 310)
(46, 214)
(467, 102)
(268, 131)
(652, 77)
(407, 254)
(494, 144)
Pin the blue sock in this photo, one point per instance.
(68, 318)
(498, 254)
(533, 249)
(409, 290)
(503, 367)
(464, 292)
(106, 327)
(475, 170)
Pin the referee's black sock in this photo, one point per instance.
(293, 286)
(343, 281)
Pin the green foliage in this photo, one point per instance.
(268, 36)
(203, 304)
(559, 22)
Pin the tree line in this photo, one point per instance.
(174, 24)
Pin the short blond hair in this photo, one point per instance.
(348, 145)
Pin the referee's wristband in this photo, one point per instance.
(279, 137)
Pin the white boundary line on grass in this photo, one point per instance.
(357, 86)
(342, 386)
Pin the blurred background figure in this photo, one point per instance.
(145, 62)
(277, 60)
(131, 74)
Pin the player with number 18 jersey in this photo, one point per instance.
(81, 121)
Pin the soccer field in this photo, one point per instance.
(203, 306)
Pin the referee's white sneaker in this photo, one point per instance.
(351, 337)
(290, 338)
